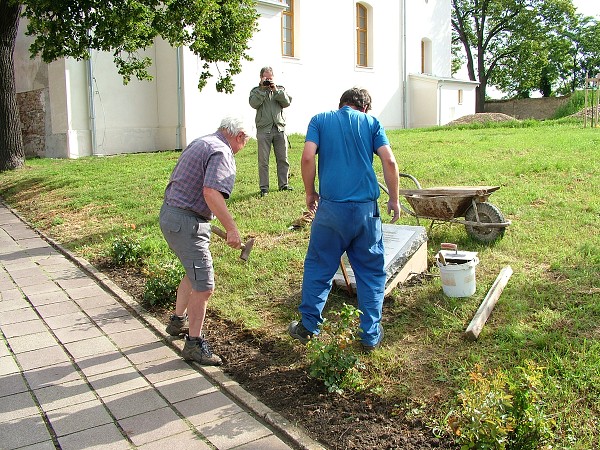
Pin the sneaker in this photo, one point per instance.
(197, 349)
(178, 325)
(298, 331)
(370, 348)
(264, 192)
(286, 188)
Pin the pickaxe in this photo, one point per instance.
(246, 248)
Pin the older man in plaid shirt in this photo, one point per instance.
(201, 181)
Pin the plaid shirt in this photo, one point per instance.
(206, 162)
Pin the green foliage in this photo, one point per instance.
(214, 30)
(575, 103)
(497, 412)
(333, 357)
(162, 282)
(127, 248)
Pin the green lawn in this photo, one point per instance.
(549, 312)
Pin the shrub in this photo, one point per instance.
(127, 248)
(499, 413)
(333, 357)
(162, 283)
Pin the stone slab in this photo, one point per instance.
(405, 246)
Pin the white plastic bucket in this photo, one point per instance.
(458, 280)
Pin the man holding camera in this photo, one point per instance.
(269, 99)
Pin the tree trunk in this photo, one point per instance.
(12, 154)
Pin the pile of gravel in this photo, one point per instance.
(481, 118)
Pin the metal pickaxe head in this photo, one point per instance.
(246, 249)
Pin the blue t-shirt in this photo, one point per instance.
(346, 141)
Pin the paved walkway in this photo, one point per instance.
(83, 366)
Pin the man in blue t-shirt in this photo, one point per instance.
(346, 212)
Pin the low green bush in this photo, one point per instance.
(162, 282)
(333, 354)
(497, 412)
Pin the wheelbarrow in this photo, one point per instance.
(483, 221)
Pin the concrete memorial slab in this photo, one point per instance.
(405, 256)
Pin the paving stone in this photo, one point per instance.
(105, 437)
(19, 433)
(17, 316)
(40, 288)
(153, 351)
(152, 426)
(107, 312)
(57, 309)
(89, 347)
(117, 381)
(78, 417)
(78, 332)
(8, 365)
(45, 298)
(207, 408)
(120, 324)
(24, 328)
(12, 384)
(233, 431)
(42, 357)
(134, 338)
(68, 320)
(188, 440)
(58, 396)
(17, 406)
(185, 388)
(43, 339)
(13, 304)
(54, 374)
(270, 442)
(132, 403)
(105, 362)
(166, 369)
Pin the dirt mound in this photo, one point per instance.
(590, 110)
(482, 118)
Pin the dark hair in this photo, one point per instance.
(359, 98)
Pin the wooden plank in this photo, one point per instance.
(486, 307)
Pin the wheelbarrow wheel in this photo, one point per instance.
(488, 213)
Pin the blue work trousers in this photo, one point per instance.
(354, 228)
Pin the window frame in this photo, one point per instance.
(287, 23)
(362, 32)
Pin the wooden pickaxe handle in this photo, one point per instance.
(245, 247)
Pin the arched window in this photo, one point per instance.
(362, 32)
(287, 29)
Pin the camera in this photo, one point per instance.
(267, 83)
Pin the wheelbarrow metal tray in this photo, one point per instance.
(473, 191)
(443, 207)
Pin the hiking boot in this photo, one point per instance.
(298, 331)
(178, 325)
(197, 349)
(370, 348)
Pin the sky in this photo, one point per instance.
(588, 7)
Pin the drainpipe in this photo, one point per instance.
(91, 105)
(404, 76)
(439, 118)
(179, 101)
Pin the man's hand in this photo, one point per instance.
(393, 207)
(234, 240)
(312, 202)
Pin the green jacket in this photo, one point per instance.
(269, 107)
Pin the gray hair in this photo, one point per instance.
(233, 125)
(266, 69)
